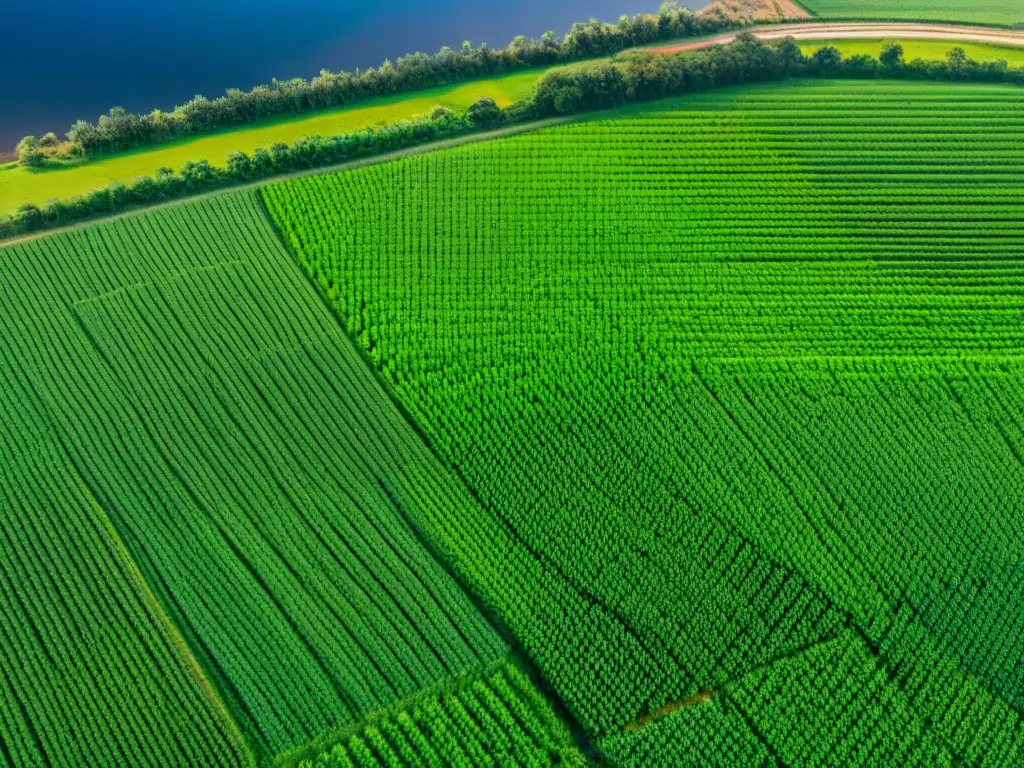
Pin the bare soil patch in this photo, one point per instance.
(756, 10)
(690, 701)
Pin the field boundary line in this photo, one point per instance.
(148, 598)
(855, 30)
(432, 146)
(462, 578)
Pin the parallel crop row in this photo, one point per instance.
(729, 397)
(260, 479)
(495, 718)
(1004, 12)
(91, 671)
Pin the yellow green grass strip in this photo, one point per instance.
(934, 50)
(20, 186)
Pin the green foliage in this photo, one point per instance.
(119, 130)
(49, 150)
(488, 719)
(30, 153)
(1001, 12)
(827, 60)
(732, 375)
(892, 55)
(710, 734)
(482, 112)
(262, 482)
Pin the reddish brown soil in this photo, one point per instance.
(691, 701)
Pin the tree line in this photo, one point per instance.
(642, 75)
(634, 77)
(120, 130)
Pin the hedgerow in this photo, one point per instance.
(120, 130)
(639, 76)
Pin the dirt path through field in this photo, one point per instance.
(864, 30)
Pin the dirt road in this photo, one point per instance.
(864, 30)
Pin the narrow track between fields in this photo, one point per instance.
(863, 30)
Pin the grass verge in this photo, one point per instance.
(20, 186)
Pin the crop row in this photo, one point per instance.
(496, 718)
(258, 477)
(593, 324)
(92, 672)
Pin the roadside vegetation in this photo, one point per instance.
(634, 76)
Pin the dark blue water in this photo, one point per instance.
(61, 60)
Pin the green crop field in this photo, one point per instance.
(929, 50)
(1002, 12)
(689, 433)
(19, 185)
(190, 439)
(493, 718)
(740, 378)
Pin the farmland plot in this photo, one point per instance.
(742, 375)
(495, 717)
(1002, 12)
(84, 642)
(182, 389)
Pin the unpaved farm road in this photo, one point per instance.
(864, 30)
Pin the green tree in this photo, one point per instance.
(28, 219)
(30, 152)
(485, 112)
(892, 56)
(827, 60)
(239, 165)
(957, 59)
(789, 55)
